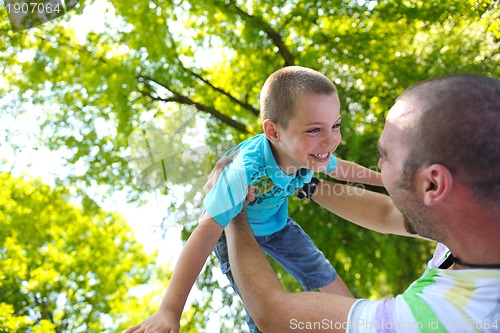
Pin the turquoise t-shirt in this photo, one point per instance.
(442, 300)
(255, 165)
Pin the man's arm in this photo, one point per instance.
(365, 208)
(371, 210)
(272, 308)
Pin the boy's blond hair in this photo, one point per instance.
(283, 88)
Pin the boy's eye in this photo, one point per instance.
(336, 126)
(314, 130)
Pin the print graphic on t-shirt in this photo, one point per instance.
(263, 185)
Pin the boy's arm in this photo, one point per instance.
(191, 260)
(352, 172)
(371, 210)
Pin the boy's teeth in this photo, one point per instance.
(322, 156)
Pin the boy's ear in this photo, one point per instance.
(271, 130)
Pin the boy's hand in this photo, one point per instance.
(217, 170)
(308, 189)
(159, 322)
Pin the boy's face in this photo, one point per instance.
(312, 134)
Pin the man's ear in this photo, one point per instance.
(435, 183)
(271, 130)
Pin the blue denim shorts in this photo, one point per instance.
(294, 250)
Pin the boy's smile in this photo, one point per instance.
(321, 158)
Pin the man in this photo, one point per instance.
(440, 162)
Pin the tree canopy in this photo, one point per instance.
(151, 75)
(208, 60)
(64, 268)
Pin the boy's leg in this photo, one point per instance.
(294, 250)
(222, 255)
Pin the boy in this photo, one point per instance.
(301, 122)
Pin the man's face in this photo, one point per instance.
(312, 134)
(402, 183)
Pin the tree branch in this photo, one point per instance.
(181, 99)
(245, 105)
(223, 92)
(44, 312)
(270, 32)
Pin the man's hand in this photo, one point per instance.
(217, 170)
(250, 197)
